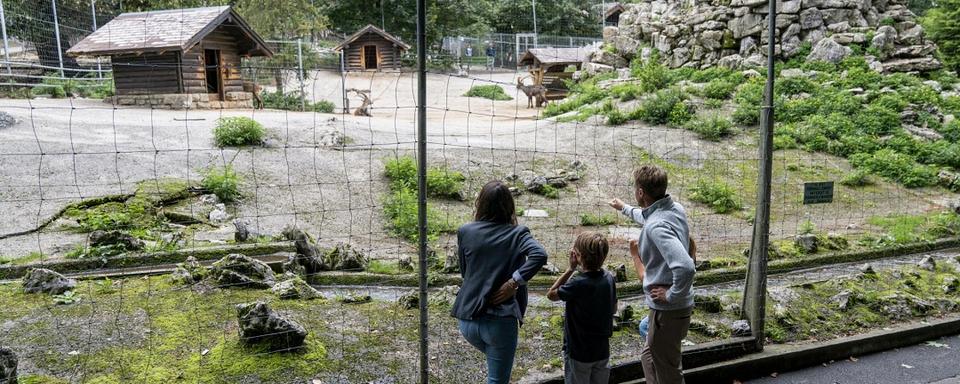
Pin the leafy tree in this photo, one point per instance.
(943, 26)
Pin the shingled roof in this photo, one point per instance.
(371, 29)
(556, 55)
(167, 30)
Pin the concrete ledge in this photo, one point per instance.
(786, 357)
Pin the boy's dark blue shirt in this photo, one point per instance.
(591, 299)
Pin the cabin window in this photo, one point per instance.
(370, 57)
(211, 59)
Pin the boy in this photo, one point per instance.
(668, 271)
(591, 299)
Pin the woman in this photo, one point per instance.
(497, 258)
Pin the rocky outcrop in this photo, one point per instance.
(344, 258)
(8, 366)
(40, 280)
(260, 325)
(733, 33)
(116, 239)
(239, 271)
(295, 288)
(188, 272)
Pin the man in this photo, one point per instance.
(491, 54)
(668, 276)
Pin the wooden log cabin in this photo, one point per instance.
(372, 49)
(551, 67)
(180, 58)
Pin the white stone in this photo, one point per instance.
(539, 213)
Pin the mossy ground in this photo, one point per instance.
(145, 330)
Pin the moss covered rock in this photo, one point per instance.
(236, 270)
(295, 288)
(260, 325)
(41, 280)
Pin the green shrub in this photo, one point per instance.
(616, 117)
(715, 73)
(921, 95)
(664, 107)
(790, 86)
(900, 80)
(784, 142)
(549, 192)
(292, 101)
(441, 182)
(951, 104)
(951, 131)
(897, 167)
(627, 91)
(890, 101)
(653, 76)
(581, 94)
(713, 128)
(400, 208)
(857, 178)
(749, 99)
(806, 227)
(237, 131)
(223, 182)
(591, 220)
(718, 195)
(719, 89)
(491, 91)
(861, 78)
(444, 182)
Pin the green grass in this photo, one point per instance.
(717, 195)
(593, 220)
(223, 182)
(713, 128)
(400, 208)
(906, 229)
(28, 259)
(238, 131)
(491, 91)
(383, 267)
(59, 88)
(441, 182)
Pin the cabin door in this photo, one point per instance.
(371, 60)
(212, 71)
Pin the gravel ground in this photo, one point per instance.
(60, 151)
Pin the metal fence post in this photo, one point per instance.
(6, 46)
(755, 293)
(422, 184)
(343, 80)
(303, 96)
(93, 13)
(56, 32)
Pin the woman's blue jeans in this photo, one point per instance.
(496, 337)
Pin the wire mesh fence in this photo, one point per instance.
(115, 195)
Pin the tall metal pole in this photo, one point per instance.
(93, 12)
(535, 37)
(303, 96)
(6, 46)
(754, 298)
(422, 181)
(343, 80)
(56, 31)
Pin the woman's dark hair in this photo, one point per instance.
(495, 204)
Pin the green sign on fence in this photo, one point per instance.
(817, 193)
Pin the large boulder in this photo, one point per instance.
(116, 239)
(608, 58)
(236, 270)
(6, 120)
(41, 280)
(829, 50)
(344, 258)
(295, 288)
(260, 325)
(8, 366)
(919, 64)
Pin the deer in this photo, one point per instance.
(537, 92)
(254, 88)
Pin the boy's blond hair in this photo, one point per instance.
(593, 249)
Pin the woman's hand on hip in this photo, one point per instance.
(505, 293)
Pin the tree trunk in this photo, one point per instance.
(278, 78)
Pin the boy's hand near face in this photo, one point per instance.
(616, 204)
(574, 260)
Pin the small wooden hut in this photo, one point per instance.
(612, 14)
(372, 49)
(178, 58)
(550, 67)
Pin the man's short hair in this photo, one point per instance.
(593, 249)
(652, 179)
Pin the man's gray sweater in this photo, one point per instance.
(664, 250)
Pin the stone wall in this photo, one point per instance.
(186, 100)
(733, 33)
